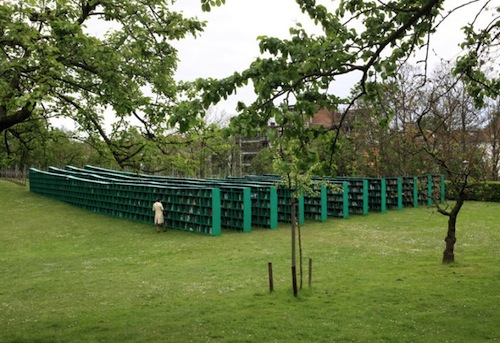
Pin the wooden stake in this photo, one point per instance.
(270, 271)
(310, 271)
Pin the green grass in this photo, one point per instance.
(68, 275)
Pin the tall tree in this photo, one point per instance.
(447, 128)
(56, 61)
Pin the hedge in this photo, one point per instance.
(484, 191)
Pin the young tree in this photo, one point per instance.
(53, 63)
(294, 162)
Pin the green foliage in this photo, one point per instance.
(208, 151)
(475, 65)
(295, 164)
(261, 163)
(32, 144)
(204, 151)
(206, 5)
(480, 191)
(293, 78)
(53, 64)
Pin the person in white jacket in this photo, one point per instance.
(159, 219)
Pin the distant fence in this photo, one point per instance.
(17, 175)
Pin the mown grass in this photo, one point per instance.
(68, 275)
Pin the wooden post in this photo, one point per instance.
(310, 271)
(270, 270)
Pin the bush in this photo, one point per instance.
(484, 191)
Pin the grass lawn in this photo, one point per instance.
(68, 275)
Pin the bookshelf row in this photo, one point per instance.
(237, 203)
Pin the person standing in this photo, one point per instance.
(159, 218)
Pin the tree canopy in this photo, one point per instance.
(54, 64)
(55, 61)
(370, 39)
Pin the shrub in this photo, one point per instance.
(484, 191)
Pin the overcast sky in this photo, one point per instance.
(229, 42)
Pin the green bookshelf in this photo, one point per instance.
(236, 211)
(285, 208)
(264, 206)
(237, 203)
(358, 195)
(438, 188)
(338, 199)
(424, 185)
(394, 193)
(410, 191)
(315, 207)
(264, 200)
(194, 210)
(377, 195)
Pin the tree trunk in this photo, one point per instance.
(450, 240)
(294, 260)
(448, 253)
